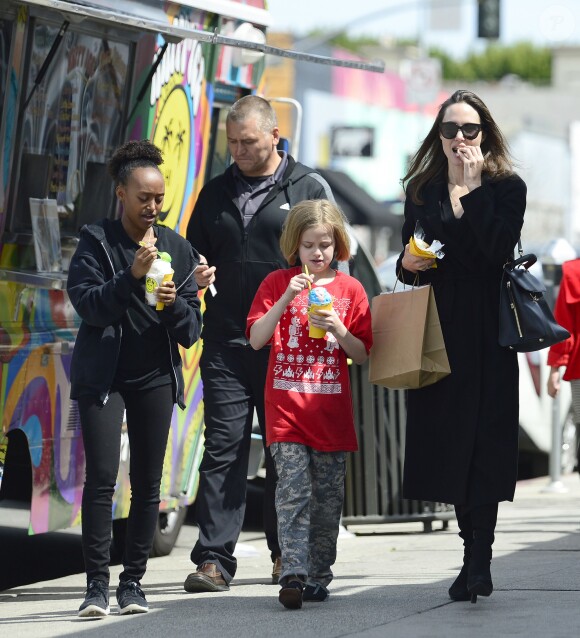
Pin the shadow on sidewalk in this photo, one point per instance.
(535, 585)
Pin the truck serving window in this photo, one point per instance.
(71, 122)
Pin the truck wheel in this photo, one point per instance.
(168, 528)
(166, 533)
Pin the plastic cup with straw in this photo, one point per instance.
(159, 273)
(318, 299)
(305, 270)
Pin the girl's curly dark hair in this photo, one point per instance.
(133, 154)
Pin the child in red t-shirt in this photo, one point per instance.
(309, 417)
(567, 353)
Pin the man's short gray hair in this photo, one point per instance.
(254, 106)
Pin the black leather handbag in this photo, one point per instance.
(526, 322)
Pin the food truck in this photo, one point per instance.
(78, 79)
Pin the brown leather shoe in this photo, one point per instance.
(291, 594)
(276, 570)
(206, 578)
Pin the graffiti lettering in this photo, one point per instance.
(186, 59)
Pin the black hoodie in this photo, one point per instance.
(101, 297)
(243, 256)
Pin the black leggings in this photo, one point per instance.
(148, 416)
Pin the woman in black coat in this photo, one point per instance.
(462, 432)
(126, 361)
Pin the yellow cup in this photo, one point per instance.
(419, 252)
(166, 277)
(314, 331)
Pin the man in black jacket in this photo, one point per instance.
(236, 226)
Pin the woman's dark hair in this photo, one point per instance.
(132, 155)
(430, 162)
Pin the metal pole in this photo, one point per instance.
(551, 267)
(295, 148)
(555, 484)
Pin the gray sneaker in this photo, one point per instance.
(96, 601)
(131, 598)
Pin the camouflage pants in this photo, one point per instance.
(309, 498)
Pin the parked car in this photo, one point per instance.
(386, 272)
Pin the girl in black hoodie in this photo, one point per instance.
(126, 361)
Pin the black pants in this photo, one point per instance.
(233, 385)
(148, 420)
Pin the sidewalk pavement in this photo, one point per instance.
(390, 580)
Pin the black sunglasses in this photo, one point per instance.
(449, 130)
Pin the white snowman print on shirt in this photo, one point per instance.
(331, 342)
(295, 331)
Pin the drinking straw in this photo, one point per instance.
(305, 269)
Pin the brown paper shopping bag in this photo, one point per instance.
(408, 349)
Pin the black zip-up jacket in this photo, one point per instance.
(101, 296)
(244, 256)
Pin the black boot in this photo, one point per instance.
(479, 581)
(458, 591)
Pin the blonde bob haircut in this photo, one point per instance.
(311, 213)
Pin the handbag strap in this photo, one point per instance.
(527, 261)
(523, 260)
(416, 280)
(520, 252)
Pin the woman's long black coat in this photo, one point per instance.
(462, 432)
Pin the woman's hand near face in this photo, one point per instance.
(143, 260)
(473, 160)
(414, 263)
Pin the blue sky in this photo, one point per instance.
(541, 21)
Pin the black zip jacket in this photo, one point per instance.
(244, 256)
(101, 297)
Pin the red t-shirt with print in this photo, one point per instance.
(307, 395)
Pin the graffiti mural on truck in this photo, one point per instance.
(39, 327)
(73, 120)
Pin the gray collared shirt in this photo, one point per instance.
(251, 191)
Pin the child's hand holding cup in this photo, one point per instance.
(318, 299)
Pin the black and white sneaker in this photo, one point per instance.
(131, 598)
(96, 601)
(315, 593)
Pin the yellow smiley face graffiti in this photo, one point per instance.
(173, 136)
